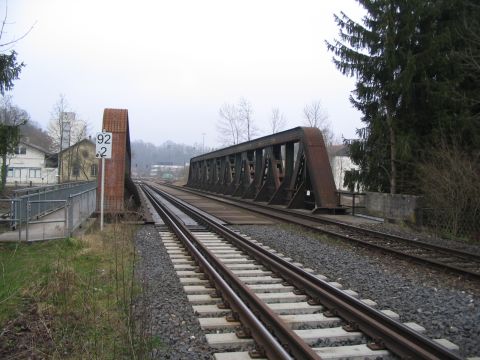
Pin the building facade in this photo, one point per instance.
(31, 164)
(340, 162)
(78, 162)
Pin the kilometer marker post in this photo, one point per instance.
(102, 194)
(103, 142)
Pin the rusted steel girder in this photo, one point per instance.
(290, 168)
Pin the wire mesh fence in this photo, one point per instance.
(450, 223)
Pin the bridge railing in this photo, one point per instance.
(42, 199)
(56, 215)
(289, 168)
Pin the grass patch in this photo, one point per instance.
(71, 298)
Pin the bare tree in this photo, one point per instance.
(7, 45)
(316, 116)
(245, 112)
(449, 183)
(277, 121)
(229, 125)
(236, 123)
(65, 129)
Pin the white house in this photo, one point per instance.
(340, 162)
(31, 164)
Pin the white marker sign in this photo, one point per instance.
(103, 141)
(103, 150)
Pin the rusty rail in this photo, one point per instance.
(240, 299)
(289, 168)
(348, 232)
(385, 332)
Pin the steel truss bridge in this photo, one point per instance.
(290, 168)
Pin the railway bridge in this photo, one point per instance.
(289, 168)
(259, 287)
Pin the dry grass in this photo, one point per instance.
(71, 298)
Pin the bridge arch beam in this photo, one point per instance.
(290, 168)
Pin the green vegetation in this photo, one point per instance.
(71, 298)
(417, 66)
(9, 69)
(417, 71)
(9, 125)
(11, 120)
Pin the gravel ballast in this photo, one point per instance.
(163, 305)
(446, 305)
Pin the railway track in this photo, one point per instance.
(452, 260)
(280, 310)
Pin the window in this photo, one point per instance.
(93, 170)
(76, 170)
(18, 173)
(35, 173)
(20, 150)
(10, 172)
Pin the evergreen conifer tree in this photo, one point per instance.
(411, 87)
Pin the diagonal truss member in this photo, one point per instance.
(289, 168)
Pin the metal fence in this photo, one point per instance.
(50, 213)
(353, 200)
(80, 207)
(39, 199)
(450, 224)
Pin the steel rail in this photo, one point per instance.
(285, 215)
(385, 331)
(242, 300)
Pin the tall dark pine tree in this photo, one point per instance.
(379, 53)
(9, 70)
(413, 86)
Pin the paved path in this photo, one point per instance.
(41, 231)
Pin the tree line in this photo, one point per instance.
(236, 122)
(145, 154)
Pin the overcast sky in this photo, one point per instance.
(172, 64)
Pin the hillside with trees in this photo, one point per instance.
(33, 133)
(145, 154)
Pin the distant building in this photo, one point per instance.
(340, 162)
(159, 170)
(78, 162)
(67, 119)
(31, 164)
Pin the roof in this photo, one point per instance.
(90, 141)
(36, 147)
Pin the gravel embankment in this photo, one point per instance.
(163, 304)
(404, 231)
(447, 306)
